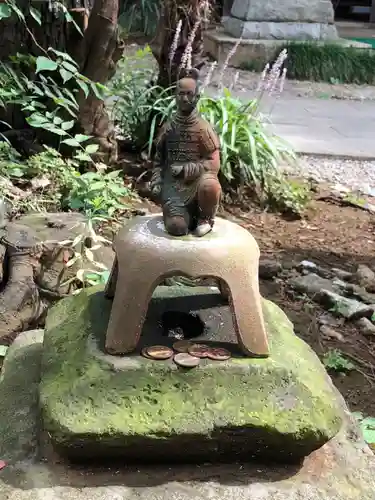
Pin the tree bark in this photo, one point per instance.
(192, 14)
(98, 57)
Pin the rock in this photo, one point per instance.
(255, 30)
(308, 11)
(366, 278)
(54, 228)
(282, 407)
(330, 333)
(366, 327)
(312, 285)
(268, 269)
(19, 413)
(309, 266)
(342, 275)
(349, 308)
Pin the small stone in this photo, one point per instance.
(366, 278)
(306, 264)
(349, 308)
(312, 284)
(268, 269)
(331, 333)
(342, 275)
(366, 327)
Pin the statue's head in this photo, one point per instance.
(187, 92)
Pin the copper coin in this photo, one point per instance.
(144, 353)
(186, 360)
(199, 350)
(159, 352)
(218, 354)
(182, 345)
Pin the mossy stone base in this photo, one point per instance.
(95, 405)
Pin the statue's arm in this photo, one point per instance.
(210, 161)
(160, 158)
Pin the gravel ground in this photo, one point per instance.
(355, 174)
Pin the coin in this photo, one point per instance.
(182, 345)
(144, 353)
(186, 360)
(218, 354)
(199, 350)
(159, 352)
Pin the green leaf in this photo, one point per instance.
(45, 64)
(82, 137)
(5, 11)
(81, 156)
(65, 75)
(67, 125)
(70, 67)
(91, 148)
(368, 430)
(71, 142)
(94, 88)
(84, 87)
(63, 55)
(36, 15)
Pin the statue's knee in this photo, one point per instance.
(176, 226)
(210, 188)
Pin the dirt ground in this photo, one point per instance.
(331, 236)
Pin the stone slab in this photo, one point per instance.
(280, 408)
(288, 30)
(307, 11)
(218, 44)
(19, 416)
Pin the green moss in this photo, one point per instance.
(287, 395)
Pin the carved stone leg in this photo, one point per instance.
(245, 302)
(110, 288)
(129, 308)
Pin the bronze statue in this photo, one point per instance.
(186, 178)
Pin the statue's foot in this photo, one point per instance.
(202, 228)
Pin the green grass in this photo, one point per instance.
(331, 62)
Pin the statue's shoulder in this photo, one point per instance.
(209, 137)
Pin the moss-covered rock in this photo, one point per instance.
(93, 404)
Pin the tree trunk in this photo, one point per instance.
(98, 57)
(193, 15)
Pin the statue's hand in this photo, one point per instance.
(176, 170)
(192, 171)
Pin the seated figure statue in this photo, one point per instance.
(186, 176)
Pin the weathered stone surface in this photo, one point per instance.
(19, 416)
(266, 30)
(53, 228)
(342, 469)
(308, 11)
(366, 327)
(348, 308)
(283, 407)
(366, 278)
(268, 269)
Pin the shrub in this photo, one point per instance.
(139, 104)
(328, 62)
(140, 16)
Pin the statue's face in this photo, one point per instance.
(187, 95)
